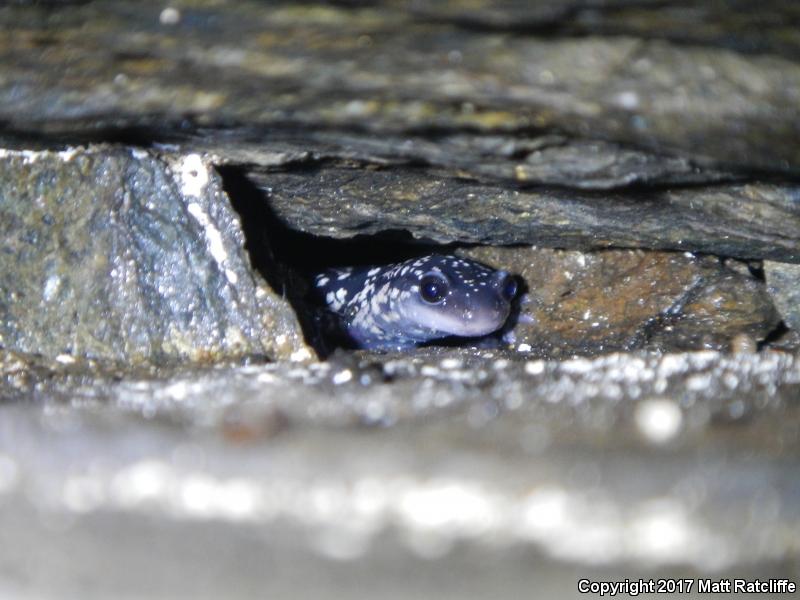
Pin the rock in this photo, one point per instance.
(783, 281)
(623, 300)
(119, 254)
(383, 69)
(648, 148)
(519, 160)
(786, 341)
(740, 25)
(486, 475)
(746, 221)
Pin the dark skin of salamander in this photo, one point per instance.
(402, 305)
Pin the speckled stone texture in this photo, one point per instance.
(783, 282)
(174, 172)
(118, 254)
(483, 474)
(615, 300)
(376, 66)
(747, 221)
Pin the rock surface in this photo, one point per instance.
(616, 300)
(381, 68)
(521, 160)
(740, 25)
(485, 475)
(648, 148)
(783, 282)
(746, 221)
(120, 255)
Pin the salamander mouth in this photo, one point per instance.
(467, 322)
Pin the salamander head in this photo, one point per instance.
(422, 299)
(447, 295)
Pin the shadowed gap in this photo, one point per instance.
(288, 259)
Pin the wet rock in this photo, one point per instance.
(783, 282)
(748, 221)
(520, 160)
(587, 127)
(589, 303)
(384, 69)
(119, 254)
(482, 473)
(740, 25)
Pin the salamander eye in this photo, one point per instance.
(509, 288)
(433, 288)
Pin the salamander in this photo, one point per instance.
(402, 305)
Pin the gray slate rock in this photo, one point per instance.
(118, 254)
(766, 27)
(745, 221)
(783, 281)
(518, 160)
(383, 69)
